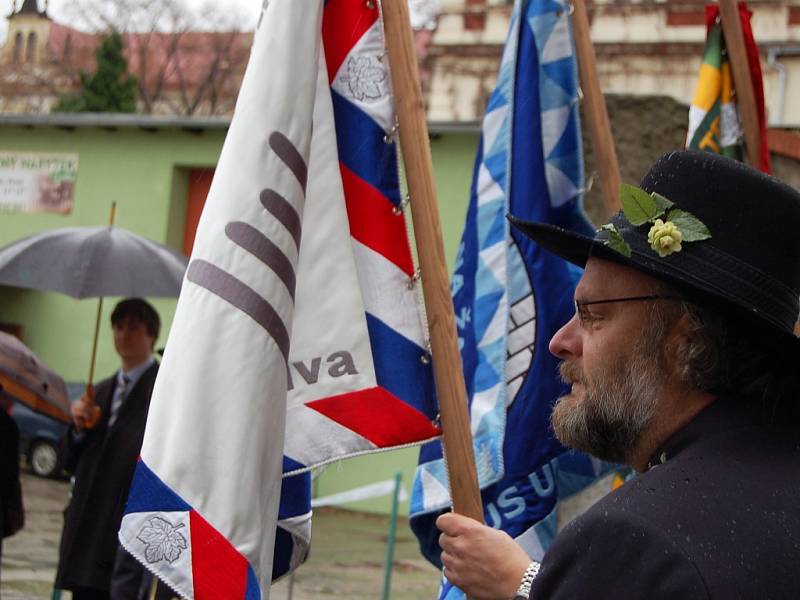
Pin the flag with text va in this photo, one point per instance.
(714, 121)
(298, 314)
(510, 297)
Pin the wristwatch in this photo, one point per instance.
(524, 590)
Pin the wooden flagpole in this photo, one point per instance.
(595, 110)
(742, 79)
(447, 370)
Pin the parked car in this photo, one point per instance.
(41, 437)
(40, 440)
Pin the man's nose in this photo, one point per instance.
(566, 343)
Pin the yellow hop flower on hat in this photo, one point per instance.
(665, 238)
(672, 225)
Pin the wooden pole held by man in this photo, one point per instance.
(448, 372)
(93, 421)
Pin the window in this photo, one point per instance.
(18, 47)
(14, 329)
(30, 51)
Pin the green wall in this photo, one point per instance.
(146, 173)
(140, 170)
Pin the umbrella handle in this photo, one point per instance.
(94, 343)
(95, 412)
(92, 421)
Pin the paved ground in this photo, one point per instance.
(31, 556)
(346, 561)
(347, 556)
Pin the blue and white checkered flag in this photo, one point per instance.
(510, 297)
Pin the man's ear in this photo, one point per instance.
(677, 342)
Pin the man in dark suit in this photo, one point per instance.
(102, 458)
(682, 363)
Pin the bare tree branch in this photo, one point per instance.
(185, 62)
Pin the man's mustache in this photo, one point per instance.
(570, 372)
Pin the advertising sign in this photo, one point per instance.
(37, 182)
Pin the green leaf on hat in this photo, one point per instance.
(615, 241)
(639, 206)
(662, 204)
(692, 228)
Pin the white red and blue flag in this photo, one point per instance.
(510, 296)
(298, 337)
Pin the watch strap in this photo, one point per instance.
(524, 590)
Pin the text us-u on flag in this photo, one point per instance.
(299, 313)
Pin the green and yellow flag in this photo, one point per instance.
(713, 119)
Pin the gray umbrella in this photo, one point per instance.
(86, 262)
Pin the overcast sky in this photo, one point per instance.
(248, 9)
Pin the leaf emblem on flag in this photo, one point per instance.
(364, 77)
(162, 540)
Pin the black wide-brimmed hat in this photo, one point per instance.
(751, 262)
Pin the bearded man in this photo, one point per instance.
(683, 364)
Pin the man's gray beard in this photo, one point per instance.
(610, 418)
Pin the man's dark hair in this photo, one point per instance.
(140, 310)
(735, 358)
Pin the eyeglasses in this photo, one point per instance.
(583, 316)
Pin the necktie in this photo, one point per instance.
(119, 396)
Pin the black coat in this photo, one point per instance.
(12, 514)
(718, 519)
(102, 462)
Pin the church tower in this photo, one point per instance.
(28, 30)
